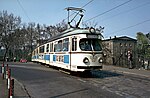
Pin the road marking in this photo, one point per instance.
(18, 66)
(64, 71)
(81, 80)
(96, 81)
(30, 67)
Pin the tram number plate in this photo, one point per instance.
(93, 58)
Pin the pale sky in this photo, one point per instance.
(125, 20)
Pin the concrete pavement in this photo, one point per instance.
(19, 90)
(3, 88)
(139, 72)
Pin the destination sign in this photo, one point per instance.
(92, 36)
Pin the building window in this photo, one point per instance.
(130, 45)
(125, 44)
(121, 44)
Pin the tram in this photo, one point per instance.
(76, 49)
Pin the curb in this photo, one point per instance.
(137, 72)
(20, 90)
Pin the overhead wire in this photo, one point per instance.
(126, 11)
(63, 19)
(109, 10)
(147, 3)
(132, 26)
(23, 10)
(87, 4)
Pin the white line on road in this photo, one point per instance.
(82, 80)
(30, 67)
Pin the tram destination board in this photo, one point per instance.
(92, 36)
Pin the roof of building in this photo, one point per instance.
(120, 38)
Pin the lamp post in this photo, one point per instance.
(121, 60)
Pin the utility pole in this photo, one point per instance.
(31, 42)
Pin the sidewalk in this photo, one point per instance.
(3, 88)
(139, 72)
(19, 91)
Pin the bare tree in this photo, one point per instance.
(9, 23)
(89, 24)
(61, 26)
(56, 29)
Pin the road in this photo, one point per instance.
(42, 82)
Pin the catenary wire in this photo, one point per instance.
(126, 11)
(109, 10)
(132, 26)
(23, 10)
(87, 4)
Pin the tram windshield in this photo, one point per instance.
(90, 45)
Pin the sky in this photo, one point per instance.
(118, 18)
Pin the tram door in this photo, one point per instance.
(72, 53)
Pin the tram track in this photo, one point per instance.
(122, 84)
(137, 78)
(98, 76)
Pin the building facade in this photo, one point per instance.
(120, 51)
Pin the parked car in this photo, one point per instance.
(23, 60)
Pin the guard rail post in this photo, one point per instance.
(11, 90)
(6, 72)
(9, 77)
(3, 71)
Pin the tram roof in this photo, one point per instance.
(72, 31)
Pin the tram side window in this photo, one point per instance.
(34, 52)
(58, 46)
(47, 48)
(41, 49)
(51, 47)
(65, 44)
(74, 44)
(37, 51)
(55, 47)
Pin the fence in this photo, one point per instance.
(6, 75)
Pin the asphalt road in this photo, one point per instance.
(43, 82)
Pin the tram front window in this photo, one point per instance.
(90, 45)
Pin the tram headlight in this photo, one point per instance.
(92, 30)
(86, 60)
(100, 60)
